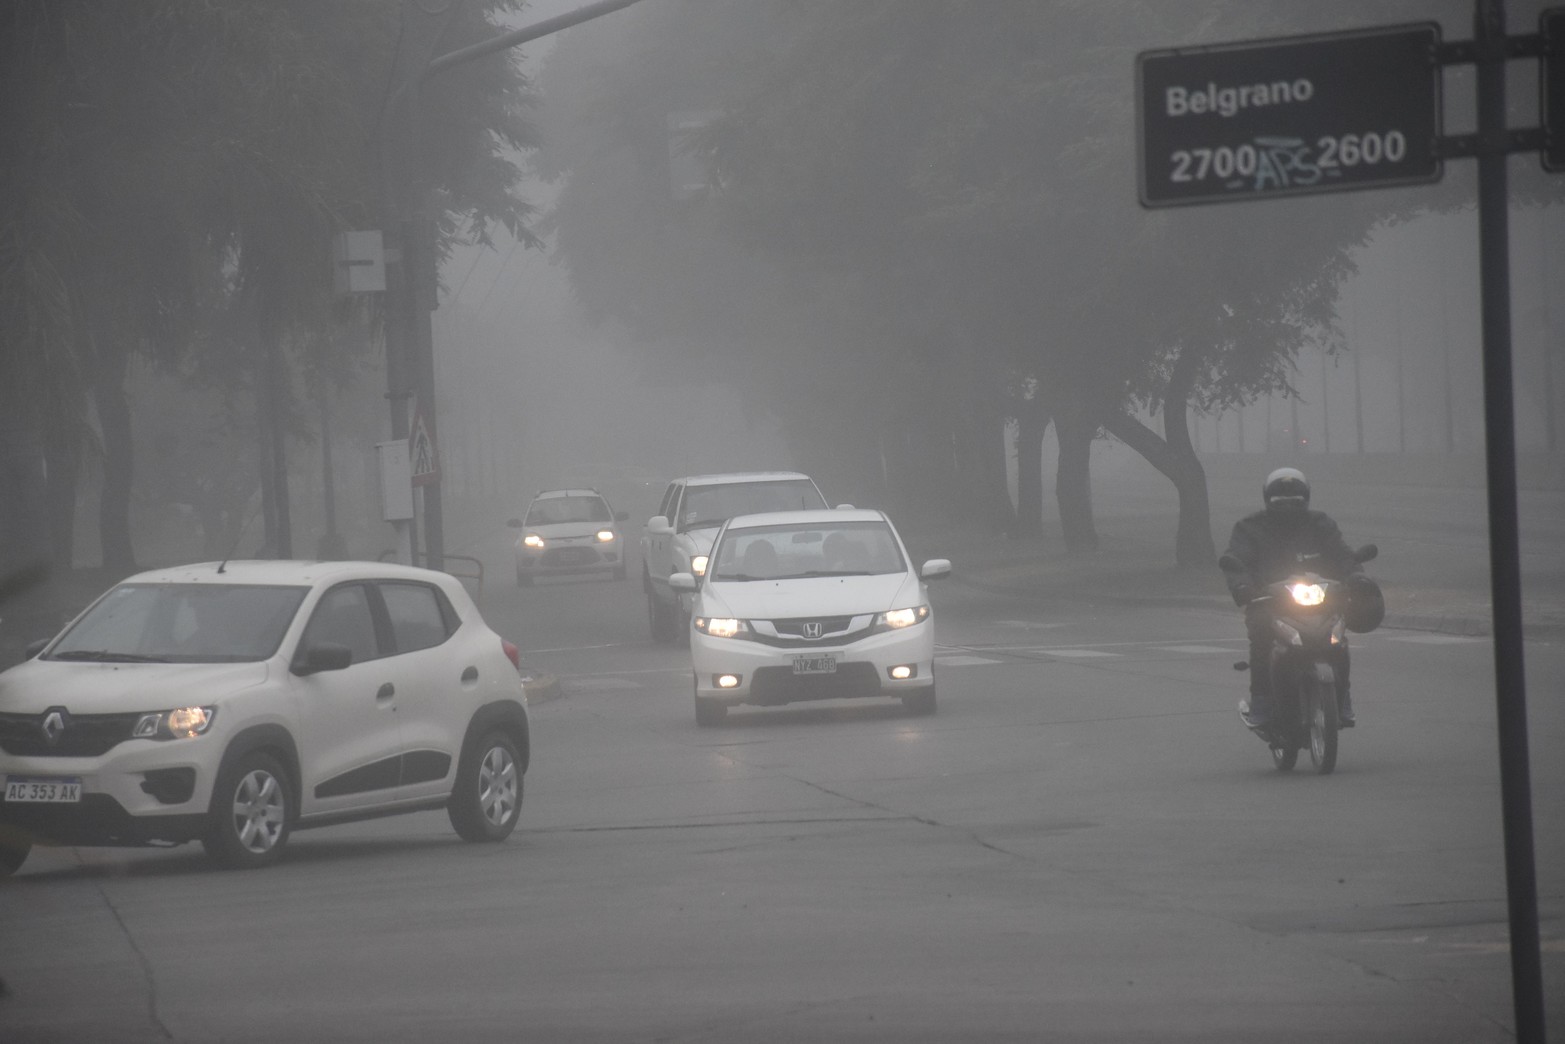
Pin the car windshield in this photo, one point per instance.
(796, 551)
(182, 623)
(553, 510)
(708, 506)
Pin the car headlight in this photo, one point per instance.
(1308, 594)
(698, 565)
(896, 619)
(605, 535)
(180, 723)
(534, 541)
(721, 626)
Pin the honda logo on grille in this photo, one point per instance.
(812, 629)
(53, 725)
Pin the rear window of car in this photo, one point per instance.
(182, 623)
(417, 619)
(707, 506)
(553, 510)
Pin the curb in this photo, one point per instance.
(1438, 623)
(542, 687)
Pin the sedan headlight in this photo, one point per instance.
(896, 619)
(534, 541)
(698, 565)
(605, 535)
(721, 626)
(180, 723)
(1308, 594)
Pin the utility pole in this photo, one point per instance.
(411, 280)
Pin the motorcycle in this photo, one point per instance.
(1310, 624)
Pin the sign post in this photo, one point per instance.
(1551, 27)
(1290, 116)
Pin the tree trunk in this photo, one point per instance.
(989, 452)
(1174, 456)
(1032, 424)
(1073, 480)
(118, 461)
(62, 453)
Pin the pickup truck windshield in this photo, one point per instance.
(706, 507)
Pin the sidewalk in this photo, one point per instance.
(1134, 567)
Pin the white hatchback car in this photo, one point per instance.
(569, 532)
(230, 703)
(810, 605)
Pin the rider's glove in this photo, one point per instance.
(1244, 594)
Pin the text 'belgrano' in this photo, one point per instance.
(1227, 101)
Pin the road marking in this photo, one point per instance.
(1195, 648)
(1077, 654)
(963, 661)
(1435, 639)
(602, 684)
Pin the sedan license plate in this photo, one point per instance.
(814, 665)
(45, 791)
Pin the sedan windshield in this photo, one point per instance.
(709, 506)
(182, 623)
(568, 509)
(796, 551)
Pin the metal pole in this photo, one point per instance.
(1504, 554)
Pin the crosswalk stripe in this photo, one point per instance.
(1078, 654)
(1195, 648)
(963, 661)
(1434, 639)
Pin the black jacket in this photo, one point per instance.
(1269, 546)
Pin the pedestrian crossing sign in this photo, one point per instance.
(421, 451)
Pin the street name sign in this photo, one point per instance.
(1289, 116)
(1551, 26)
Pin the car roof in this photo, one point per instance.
(743, 476)
(285, 572)
(582, 491)
(812, 517)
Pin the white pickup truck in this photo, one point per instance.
(679, 537)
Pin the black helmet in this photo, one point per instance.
(1286, 489)
(1366, 604)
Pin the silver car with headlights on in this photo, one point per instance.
(810, 605)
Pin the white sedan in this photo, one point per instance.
(810, 605)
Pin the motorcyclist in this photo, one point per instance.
(1270, 546)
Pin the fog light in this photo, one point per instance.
(904, 671)
(727, 681)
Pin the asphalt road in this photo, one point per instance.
(1082, 845)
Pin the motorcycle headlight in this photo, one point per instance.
(534, 541)
(698, 565)
(1308, 594)
(721, 626)
(180, 723)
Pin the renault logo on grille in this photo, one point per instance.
(812, 629)
(53, 725)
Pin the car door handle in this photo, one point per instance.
(471, 674)
(387, 691)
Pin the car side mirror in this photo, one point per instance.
(514, 523)
(32, 649)
(323, 656)
(935, 569)
(659, 525)
(682, 581)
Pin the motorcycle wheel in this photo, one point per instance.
(1321, 697)
(1285, 757)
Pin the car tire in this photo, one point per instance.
(487, 799)
(252, 813)
(657, 620)
(13, 853)
(920, 702)
(709, 712)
